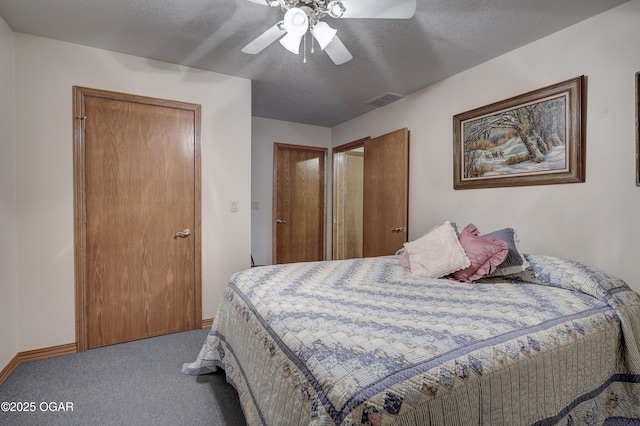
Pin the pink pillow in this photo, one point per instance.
(404, 261)
(484, 252)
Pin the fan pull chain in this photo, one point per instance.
(304, 48)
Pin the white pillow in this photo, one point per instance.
(437, 253)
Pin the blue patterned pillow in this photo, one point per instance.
(515, 261)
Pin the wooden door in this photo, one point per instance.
(141, 216)
(298, 203)
(386, 193)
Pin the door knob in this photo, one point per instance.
(281, 221)
(182, 234)
(398, 229)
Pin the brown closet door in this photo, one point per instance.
(386, 193)
(140, 192)
(298, 203)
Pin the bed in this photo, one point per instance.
(368, 342)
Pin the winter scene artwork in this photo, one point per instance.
(532, 139)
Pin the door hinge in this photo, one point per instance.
(83, 120)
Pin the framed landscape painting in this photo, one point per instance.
(537, 138)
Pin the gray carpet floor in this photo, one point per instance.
(135, 383)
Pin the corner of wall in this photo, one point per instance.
(8, 215)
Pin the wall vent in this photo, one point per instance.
(384, 99)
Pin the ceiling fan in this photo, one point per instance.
(302, 16)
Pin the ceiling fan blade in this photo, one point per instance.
(264, 39)
(262, 2)
(338, 52)
(386, 9)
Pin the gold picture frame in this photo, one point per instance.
(537, 138)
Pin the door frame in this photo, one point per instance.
(79, 208)
(274, 196)
(335, 238)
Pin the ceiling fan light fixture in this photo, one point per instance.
(335, 9)
(323, 34)
(306, 15)
(291, 42)
(296, 21)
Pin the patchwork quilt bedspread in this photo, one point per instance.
(364, 342)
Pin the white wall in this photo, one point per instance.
(595, 222)
(264, 133)
(45, 71)
(8, 271)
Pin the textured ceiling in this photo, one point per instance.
(444, 38)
